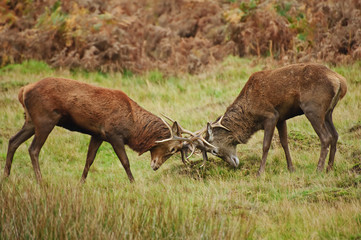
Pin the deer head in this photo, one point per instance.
(223, 144)
(164, 149)
(218, 141)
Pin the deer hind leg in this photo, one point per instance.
(282, 130)
(317, 119)
(24, 134)
(92, 151)
(269, 127)
(118, 146)
(332, 130)
(44, 124)
(41, 134)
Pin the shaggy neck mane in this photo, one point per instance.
(148, 129)
(240, 121)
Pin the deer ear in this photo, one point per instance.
(209, 132)
(176, 129)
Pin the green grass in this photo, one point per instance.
(178, 201)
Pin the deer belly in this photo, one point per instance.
(68, 123)
(288, 111)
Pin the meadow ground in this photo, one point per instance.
(179, 201)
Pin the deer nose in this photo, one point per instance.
(235, 161)
(154, 164)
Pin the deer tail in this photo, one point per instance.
(21, 100)
(343, 86)
(21, 96)
(340, 88)
(335, 98)
(340, 92)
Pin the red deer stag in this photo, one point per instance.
(267, 100)
(105, 114)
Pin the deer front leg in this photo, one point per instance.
(269, 127)
(118, 146)
(184, 154)
(205, 157)
(92, 151)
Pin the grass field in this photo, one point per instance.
(178, 201)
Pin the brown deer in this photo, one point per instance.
(105, 114)
(267, 100)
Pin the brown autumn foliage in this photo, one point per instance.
(176, 35)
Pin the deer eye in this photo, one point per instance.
(173, 150)
(214, 152)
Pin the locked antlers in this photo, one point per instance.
(173, 137)
(194, 140)
(176, 135)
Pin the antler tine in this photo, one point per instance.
(200, 132)
(219, 124)
(176, 138)
(167, 117)
(183, 130)
(172, 137)
(193, 150)
(169, 127)
(203, 140)
(198, 135)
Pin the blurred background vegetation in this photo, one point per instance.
(176, 35)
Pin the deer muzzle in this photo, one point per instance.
(233, 160)
(154, 164)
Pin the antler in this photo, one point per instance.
(194, 136)
(172, 136)
(198, 134)
(182, 130)
(219, 124)
(180, 127)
